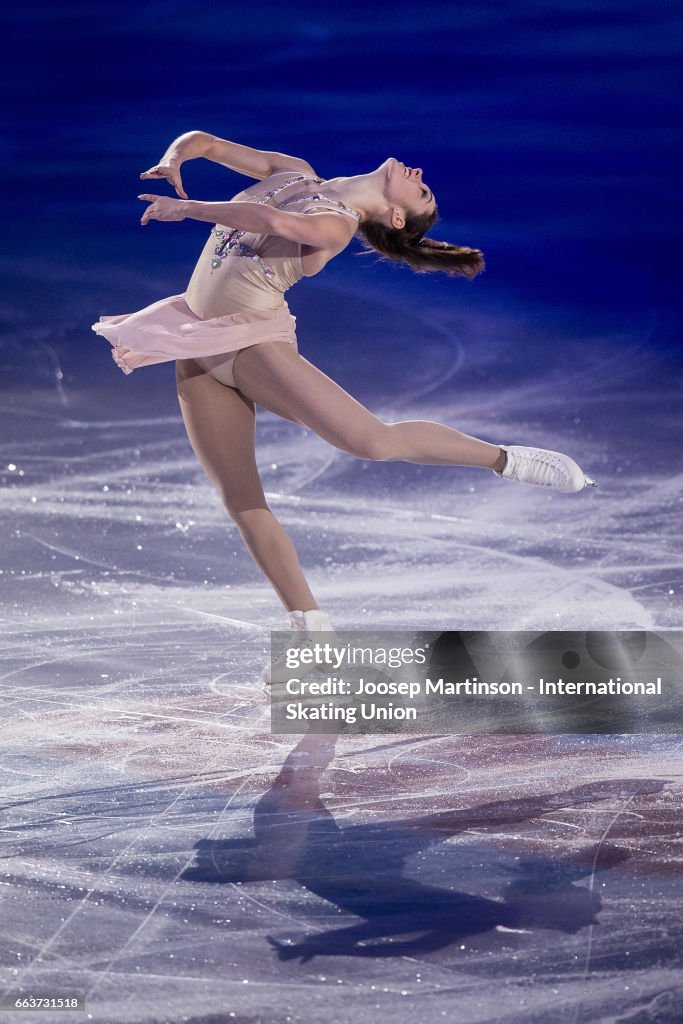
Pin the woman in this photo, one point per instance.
(232, 335)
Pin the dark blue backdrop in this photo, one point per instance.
(136, 733)
(548, 131)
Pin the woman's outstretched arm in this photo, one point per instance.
(322, 230)
(255, 163)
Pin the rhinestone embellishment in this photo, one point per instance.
(230, 241)
(317, 196)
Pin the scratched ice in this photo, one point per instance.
(160, 850)
(163, 853)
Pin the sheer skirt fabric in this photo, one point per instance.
(168, 330)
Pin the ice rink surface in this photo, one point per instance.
(390, 877)
(162, 852)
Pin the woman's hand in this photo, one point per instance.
(162, 208)
(169, 169)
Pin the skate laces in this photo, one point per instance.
(544, 467)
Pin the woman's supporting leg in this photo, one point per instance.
(275, 376)
(220, 423)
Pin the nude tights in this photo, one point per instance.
(220, 423)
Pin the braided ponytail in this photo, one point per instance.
(409, 245)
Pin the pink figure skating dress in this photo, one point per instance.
(235, 297)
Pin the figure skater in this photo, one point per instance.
(233, 337)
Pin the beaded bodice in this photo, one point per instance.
(229, 242)
(241, 271)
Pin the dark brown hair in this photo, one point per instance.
(409, 245)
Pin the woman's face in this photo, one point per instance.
(405, 188)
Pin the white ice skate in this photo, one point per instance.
(545, 468)
(306, 628)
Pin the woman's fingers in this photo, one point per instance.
(148, 198)
(158, 171)
(177, 183)
(171, 173)
(161, 208)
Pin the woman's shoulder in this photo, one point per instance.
(292, 167)
(272, 183)
(288, 173)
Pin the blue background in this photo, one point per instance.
(137, 728)
(548, 132)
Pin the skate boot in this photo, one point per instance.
(545, 468)
(306, 628)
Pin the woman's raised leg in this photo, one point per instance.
(275, 376)
(220, 423)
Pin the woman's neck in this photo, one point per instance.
(362, 192)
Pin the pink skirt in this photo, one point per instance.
(168, 329)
